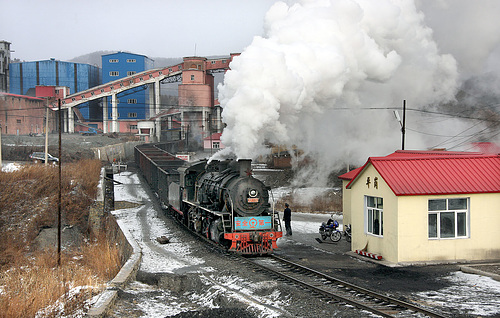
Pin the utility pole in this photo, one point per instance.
(403, 127)
(210, 133)
(1, 147)
(59, 201)
(47, 137)
(402, 124)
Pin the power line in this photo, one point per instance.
(468, 139)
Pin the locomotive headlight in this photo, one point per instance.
(253, 193)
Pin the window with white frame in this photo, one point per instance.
(192, 77)
(113, 61)
(216, 145)
(448, 218)
(374, 215)
(132, 115)
(133, 127)
(130, 60)
(131, 73)
(132, 101)
(114, 73)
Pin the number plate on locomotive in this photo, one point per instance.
(252, 223)
(253, 200)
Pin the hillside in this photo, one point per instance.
(32, 281)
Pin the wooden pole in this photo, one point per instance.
(59, 201)
(1, 147)
(47, 137)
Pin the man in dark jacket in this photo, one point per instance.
(287, 217)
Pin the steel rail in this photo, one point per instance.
(356, 296)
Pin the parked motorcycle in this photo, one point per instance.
(329, 229)
(347, 232)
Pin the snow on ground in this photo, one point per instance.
(11, 166)
(305, 194)
(176, 257)
(160, 303)
(469, 293)
(157, 258)
(308, 223)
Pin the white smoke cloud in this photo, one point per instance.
(469, 30)
(309, 79)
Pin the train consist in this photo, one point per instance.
(220, 200)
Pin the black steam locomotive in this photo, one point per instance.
(220, 199)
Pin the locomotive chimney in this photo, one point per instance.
(245, 167)
(223, 165)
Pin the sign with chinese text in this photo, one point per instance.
(252, 223)
(183, 157)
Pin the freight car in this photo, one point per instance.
(220, 200)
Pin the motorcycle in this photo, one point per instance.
(329, 229)
(347, 232)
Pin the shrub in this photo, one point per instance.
(31, 282)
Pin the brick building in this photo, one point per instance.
(22, 115)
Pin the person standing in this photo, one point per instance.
(287, 217)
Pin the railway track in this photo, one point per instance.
(327, 287)
(331, 288)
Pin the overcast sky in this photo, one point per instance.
(64, 29)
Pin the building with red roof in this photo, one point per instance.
(425, 206)
(213, 142)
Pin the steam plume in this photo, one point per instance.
(309, 79)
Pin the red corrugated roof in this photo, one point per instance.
(20, 96)
(435, 173)
(418, 153)
(214, 137)
(350, 175)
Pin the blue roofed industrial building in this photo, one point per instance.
(25, 76)
(132, 103)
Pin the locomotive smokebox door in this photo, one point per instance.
(245, 167)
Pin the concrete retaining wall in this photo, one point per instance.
(119, 152)
(127, 273)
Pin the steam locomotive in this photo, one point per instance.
(220, 199)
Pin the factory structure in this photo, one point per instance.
(124, 96)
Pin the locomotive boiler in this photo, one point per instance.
(221, 200)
